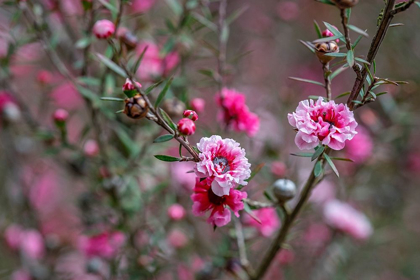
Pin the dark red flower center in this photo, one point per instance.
(214, 199)
(221, 164)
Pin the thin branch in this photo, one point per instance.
(327, 80)
(403, 8)
(258, 204)
(241, 246)
(344, 22)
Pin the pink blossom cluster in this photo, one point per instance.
(345, 218)
(105, 245)
(27, 241)
(322, 122)
(236, 113)
(268, 221)
(222, 167)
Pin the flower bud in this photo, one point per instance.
(60, 115)
(176, 212)
(91, 148)
(186, 126)
(284, 190)
(136, 107)
(173, 107)
(343, 4)
(327, 47)
(103, 29)
(129, 86)
(191, 114)
(44, 77)
(197, 104)
(328, 33)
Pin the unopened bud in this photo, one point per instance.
(191, 114)
(91, 148)
(173, 107)
(44, 77)
(103, 29)
(328, 33)
(60, 115)
(343, 4)
(136, 107)
(186, 126)
(129, 85)
(284, 190)
(176, 212)
(321, 49)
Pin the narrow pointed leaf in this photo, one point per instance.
(317, 29)
(167, 158)
(343, 94)
(336, 54)
(335, 31)
(163, 138)
(356, 42)
(331, 163)
(318, 152)
(318, 169)
(326, 39)
(112, 99)
(137, 65)
(163, 92)
(112, 65)
(342, 159)
(302, 154)
(152, 87)
(167, 119)
(357, 30)
(350, 58)
(307, 81)
(250, 213)
(308, 45)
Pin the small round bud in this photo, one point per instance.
(176, 212)
(284, 190)
(328, 33)
(91, 148)
(103, 29)
(173, 107)
(186, 126)
(344, 4)
(326, 47)
(60, 115)
(44, 77)
(197, 104)
(191, 114)
(136, 107)
(129, 86)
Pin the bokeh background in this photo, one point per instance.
(58, 191)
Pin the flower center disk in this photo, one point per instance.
(221, 164)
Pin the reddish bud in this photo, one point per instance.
(60, 115)
(278, 168)
(129, 86)
(191, 114)
(176, 212)
(44, 77)
(91, 148)
(197, 104)
(186, 126)
(103, 29)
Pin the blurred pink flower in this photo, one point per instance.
(91, 148)
(278, 168)
(323, 192)
(32, 244)
(224, 161)
(345, 218)
(60, 115)
(204, 200)
(269, 221)
(24, 59)
(142, 6)
(317, 234)
(105, 245)
(66, 96)
(285, 257)
(198, 104)
(5, 100)
(177, 238)
(236, 113)
(44, 77)
(180, 175)
(20, 274)
(103, 29)
(176, 212)
(330, 123)
(360, 148)
(12, 235)
(184, 272)
(413, 162)
(287, 10)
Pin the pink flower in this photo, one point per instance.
(103, 29)
(236, 113)
(12, 235)
(32, 244)
(197, 104)
(177, 239)
(180, 175)
(326, 122)
(176, 212)
(224, 161)
(91, 148)
(186, 126)
(5, 100)
(285, 257)
(317, 234)
(105, 245)
(205, 199)
(287, 10)
(60, 115)
(269, 221)
(278, 168)
(44, 77)
(348, 220)
(142, 6)
(323, 192)
(191, 114)
(360, 148)
(129, 86)
(328, 33)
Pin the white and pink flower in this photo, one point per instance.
(205, 200)
(326, 122)
(224, 161)
(345, 218)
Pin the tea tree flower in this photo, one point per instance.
(322, 122)
(103, 29)
(224, 161)
(205, 200)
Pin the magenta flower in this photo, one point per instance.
(345, 218)
(236, 113)
(224, 161)
(269, 221)
(326, 122)
(361, 147)
(205, 199)
(105, 245)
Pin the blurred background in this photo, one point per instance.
(86, 199)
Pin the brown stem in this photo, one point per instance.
(344, 22)
(327, 80)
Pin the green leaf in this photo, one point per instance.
(318, 169)
(308, 45)
(357, 30)
(119, 112)
(362, 60)
(224, 35)
(109, 6)
(356, 42)
(248, 210)
(370, 74)
(90, 81)
(83, 43)
(328, 2)
(326, 39)
(137, 65)
(90, 95)
(204, 21)
(336, 54)
(381, 93)
(180, 150)
(314, 97)
(317, 29)
(175, 7)
(112, 65)
(167, 119)
(335, 31)
(307, 81)
(167, 158)
(318, 152)
(149, 89)
(343, 94)
(163, 138)
(233, 16)
(130, 93)
(396, 24)
(373, 94)
(417, 3)
(348, 14)
(163, 92)
(341, 159)
(337, 72)
(207, 72)
(350, 58)
(331, 163)
(302, 154)
(112, 99)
